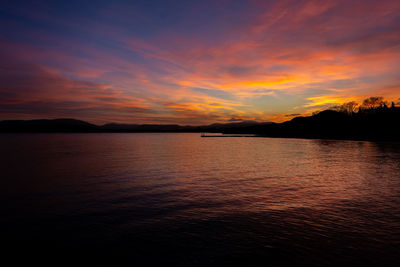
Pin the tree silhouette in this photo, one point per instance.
(373, 102)
(349, 107)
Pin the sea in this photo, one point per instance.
(177, 199)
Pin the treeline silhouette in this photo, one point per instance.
(373, 119)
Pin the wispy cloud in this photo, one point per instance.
(262, 60)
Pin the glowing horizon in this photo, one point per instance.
(194, 63)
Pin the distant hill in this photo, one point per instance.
(380, 123)
(216, 127)
(72, 125)
(57, 125)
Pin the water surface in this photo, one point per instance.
(121, 199)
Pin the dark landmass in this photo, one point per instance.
(374, 122)
(78, 126)
(378, 123)
(46, 126)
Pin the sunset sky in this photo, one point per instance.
(194, 62)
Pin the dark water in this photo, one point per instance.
(182, 200)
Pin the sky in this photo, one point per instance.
(194, 62)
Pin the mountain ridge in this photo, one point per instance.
(378, 123)
(74, 125)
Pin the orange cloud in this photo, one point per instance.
(313, 53)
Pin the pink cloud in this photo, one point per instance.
(301, 48)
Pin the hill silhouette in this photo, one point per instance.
(368, 122)
(56, 125)
(78, 126)
(371, 120)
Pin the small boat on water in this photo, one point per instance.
(226, 135)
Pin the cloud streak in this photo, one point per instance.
(264, 60)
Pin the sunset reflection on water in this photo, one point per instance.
(208, 200)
